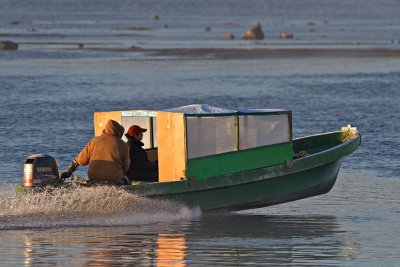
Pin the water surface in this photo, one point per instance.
(50, 89)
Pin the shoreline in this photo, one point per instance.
(226, 53)
(259, 53)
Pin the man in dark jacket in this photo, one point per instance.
(140, 168)
(107, 156)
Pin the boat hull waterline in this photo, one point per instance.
(312, 175)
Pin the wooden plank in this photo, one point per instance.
(101, 118)
(171, 133)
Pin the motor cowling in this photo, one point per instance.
(40, 170)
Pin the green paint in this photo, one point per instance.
(318, 143)
(312, 175)
(239, 161)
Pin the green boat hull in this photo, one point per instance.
(311, 175)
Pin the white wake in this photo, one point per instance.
(86, 206)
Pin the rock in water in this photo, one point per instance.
(286, 35)
(8, 45)
(255, 33)
(229, 36)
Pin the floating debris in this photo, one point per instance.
(229, 36)
(139, 28)
(8, 45)
(286, 35)
(155, 17)
(16, 22)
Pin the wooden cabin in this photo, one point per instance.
(201, 141)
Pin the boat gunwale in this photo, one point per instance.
(320, 134)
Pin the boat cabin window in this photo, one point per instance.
(149, 123)
(203, 141)
(263, 130)
(213, 135)
(210, 135)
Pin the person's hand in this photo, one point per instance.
(69, 170)
(127, 180)
(65, 175)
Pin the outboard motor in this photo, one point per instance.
(40, 170)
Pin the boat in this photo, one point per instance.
(214, 158)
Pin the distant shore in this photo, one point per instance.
(258, 53)
(222, 53)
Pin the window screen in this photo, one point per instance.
(155, 139)
(210, 135)
(262, 130)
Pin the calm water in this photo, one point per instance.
(49, 91)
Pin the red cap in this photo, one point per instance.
(134, 130)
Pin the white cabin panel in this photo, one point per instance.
(263, 130)
(210, 135)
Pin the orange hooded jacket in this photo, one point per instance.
(107, 155)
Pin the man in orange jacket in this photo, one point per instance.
(107, 156)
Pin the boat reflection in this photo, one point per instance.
(226, 239)
(171, 250)
(273, 239)
(28, 250)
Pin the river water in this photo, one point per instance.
(50, 89)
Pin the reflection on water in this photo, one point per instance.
(216, 239)
(171, 250)
(28, 250)
(277, 240)
(353, 231)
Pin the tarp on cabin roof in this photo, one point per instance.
(200, 109)
(253, 111)
(205, 109)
